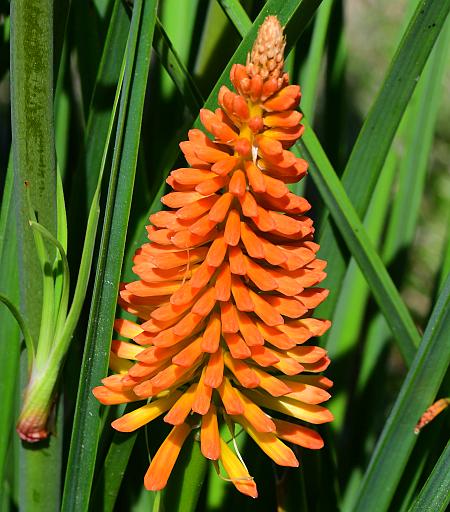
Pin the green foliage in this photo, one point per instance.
(123, 82)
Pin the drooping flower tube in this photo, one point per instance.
(227, 286)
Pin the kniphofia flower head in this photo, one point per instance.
(227, 286)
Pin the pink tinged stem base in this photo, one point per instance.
(32, 425)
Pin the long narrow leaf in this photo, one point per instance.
(418, 391)
(87, 421)
(376, 136)
(435, 494)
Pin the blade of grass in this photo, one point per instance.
(178, 19)
(175, 68)
(85, 436)
(237, 15)
(85, 179)
(435, 494)
(375, 138)
(311, 71)
(10, 339)
(355, 236)
(418, 391)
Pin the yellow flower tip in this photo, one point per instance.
(236, 471)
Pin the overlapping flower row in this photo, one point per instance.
(226, 290)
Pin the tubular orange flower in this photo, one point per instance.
(227, 285)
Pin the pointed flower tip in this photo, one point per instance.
(267, 56)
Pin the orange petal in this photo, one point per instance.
(125, 350)
(163, 462)
(259, 420)
(237, 346)
(184, 295)
(249, 205)
(255, 177)
(211, 336)
(269, 443)
(232, 403)
(201, 227)
(232, 231)
(143, 415)
(270, 383)
(187, 324)
(275, 337)
(202, 399)
(229, 317)
(225, 165)
(182, 408)
(306, 393)
(311, 413)
(287, 306)
(180, 199)
(202, 276)
(196, 208)
(205, 303)
(217, 252)
(237, 185)
(307, 354)
(127, 328)
(108, 397)
(214, 369)
(220, 209)
(268, 314)
(155, 354)
(242, 371)
(251, 242)
(236, 471)
(297, 434)
(209, 435)
(188, 355)
(237, 261)
(223, 283)
(249, 331)
(241, 295)
(264, 356)
(260, 276)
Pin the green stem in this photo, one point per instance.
(33, 148)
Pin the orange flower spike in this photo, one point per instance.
(163, 462)
(224, 293)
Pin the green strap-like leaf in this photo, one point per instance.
(418, 391)
(435, 494)
(375, 138)
(87, 422)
